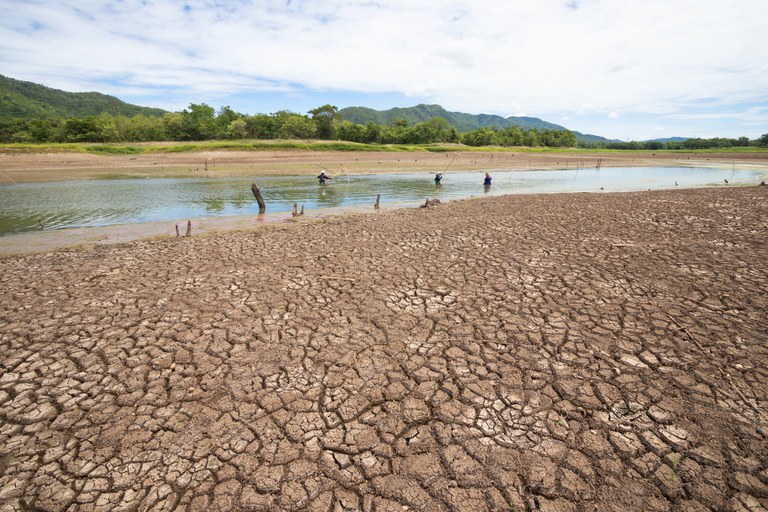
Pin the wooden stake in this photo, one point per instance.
(189, 228)
(259, 199)
(376, 206)
(295, 210)
(302, 210)
(177, 231)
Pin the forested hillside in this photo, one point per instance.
(27, 100)
(459, 120)
(422, 113)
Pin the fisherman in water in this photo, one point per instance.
(438, 177)
(487, 180)
(322, 177)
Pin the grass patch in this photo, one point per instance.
(115, 150)
(23, 147)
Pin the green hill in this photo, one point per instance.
(27, 100)
(462, 122)
(422, 113)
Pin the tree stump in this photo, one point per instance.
(376, 205)
(259, 199)
(189, 228)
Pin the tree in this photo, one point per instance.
(108, 128)
(237, 129)
(173, 126)
(262, 126)
(763, 140)
(349, 131)
(143, 128)
(85, 129)
(654, 145)
(44, 130)
(297, 127)
(372, 132)
(324, 118)
(531, 138)
(199, 122)
(512, 136)
(224, 119)
(481, 137)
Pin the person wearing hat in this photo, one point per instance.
(322, 177)
(487, 180)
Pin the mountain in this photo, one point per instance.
(669, 139)
(27, 100)
(462, 122)
(422, 113)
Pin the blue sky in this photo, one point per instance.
(636, 69)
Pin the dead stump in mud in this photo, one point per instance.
(259, 199)
(429, 203)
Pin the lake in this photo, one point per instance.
(68, 204)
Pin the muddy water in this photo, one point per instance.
(70, 204)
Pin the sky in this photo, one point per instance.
(622, 69)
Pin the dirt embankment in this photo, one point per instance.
(24, 167)
(559, 352)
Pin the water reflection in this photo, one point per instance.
(24, 207)
(329, 196)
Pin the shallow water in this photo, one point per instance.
(69, 204)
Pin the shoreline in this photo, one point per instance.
(89, 237)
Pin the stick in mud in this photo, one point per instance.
(189, 228)
(259, 199)
(376, 205)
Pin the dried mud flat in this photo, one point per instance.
(559, 352)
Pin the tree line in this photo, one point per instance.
(694, 143)
(202, 122)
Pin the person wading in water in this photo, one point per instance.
(322, 177)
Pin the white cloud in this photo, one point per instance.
(613, 115)
(492, 56)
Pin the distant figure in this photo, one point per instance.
(438, 177)
(675, 183)
(322, 177)
(726, 181)
(487, 180)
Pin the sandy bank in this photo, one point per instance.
(30, 167)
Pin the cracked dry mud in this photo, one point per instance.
(558, 352)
